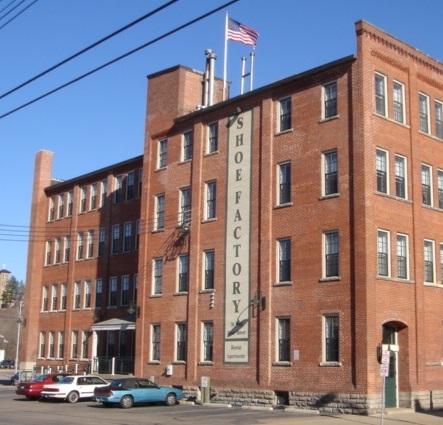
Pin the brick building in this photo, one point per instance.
(287, 237)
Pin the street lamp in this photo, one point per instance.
(20, 320)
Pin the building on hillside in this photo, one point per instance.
(289, 239)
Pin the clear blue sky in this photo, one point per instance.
(100, 120)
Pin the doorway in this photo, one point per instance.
(389, 342)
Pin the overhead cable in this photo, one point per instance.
(18, 14)
(155, 40)
(52, 68)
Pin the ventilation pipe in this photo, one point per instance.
(209, 78)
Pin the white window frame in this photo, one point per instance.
(284, 171)
(187, 145)
(384, 247)
(404, 169)
(180, 337)
(378, 163)
(424, 115)
(426, 178)
(93, 197)
(157, 278)
(212, 140)
(329, 166)
(103, 193)
(380, 98)
(325, 93)
(54, 297)
(427, 256)
(438, 119)
(282, 255)
(113, 289)
(154, 350)
(118, 189)
(127, 236)
(125, 287)
(399, 253)
(286, 332)
(83, 198)
(208, 266)
(211, 200)
(184, 213)
(61, 206)
(281, 113)
(160, 207)
(325, 319)
(87, 293)
(162, 157)
(331, 246)
(396, 101)
(115, 242)
(204, 358)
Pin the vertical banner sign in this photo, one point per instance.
(238, 235)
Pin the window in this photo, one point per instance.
(118, 186)
(424, 112)
(104, 193)
(90, 253)
(125, 290)
(98, 292)
(181, 342)
(64, 296)
(162, 153)
(61, 205)
(140, 182)
(112, 292)
(426, 183)
(211, 195)
(42, 344)
(330, 170)
(398, 98)
(58, 243)
(439, 119)
(101, 241)
(77, 295)
(115, 238)
(208, 332)
(45, 306)
(67, 249)
(51, 214)
(429, 261)
(284, 180)
(61, 345)
(51, 352)
(283, 340)
(185, 206)
(440, 188)
(383, 253)
(380, 94)
(331, 248)
(400, 176)
(127, 238)
(130, 182)
(48, 257)
(54, 297)
(70, 202)
(209, 269)
(330, 99)
(402, 257)
(158, 276)
(285, 114)
(135, 287)
(85, 344)
(74, 345)
(80, 239)
(213, 137)
(188, 137)
(284, 260)
(137, 234)
(183, 273)
(93, 200)
(83, 191)
(155, 337)
(382, 171)
(87, 302)
(331, 341)
(159, 212)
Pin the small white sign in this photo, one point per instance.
(384, 370)
(385, 356)
(205, 383)
(296, 355)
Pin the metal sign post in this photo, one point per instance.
(384, 373)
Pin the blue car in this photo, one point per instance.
(129, 391)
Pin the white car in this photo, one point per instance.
(72, 388)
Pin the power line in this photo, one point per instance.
(155, 40)
(15, 7)
(52, 68)
(18, 14)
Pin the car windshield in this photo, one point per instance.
(66, 380)
(39, 378)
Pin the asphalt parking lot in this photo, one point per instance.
(18, 410)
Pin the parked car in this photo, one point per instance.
(14, 378)
(72, 388)
(33, 388)
(129, 391)
(7, 364)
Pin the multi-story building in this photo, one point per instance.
(290, 237)
(4, 279)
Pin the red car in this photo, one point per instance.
(32, 389)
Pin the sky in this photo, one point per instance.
(100, 120)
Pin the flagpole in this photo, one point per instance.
(225, 57)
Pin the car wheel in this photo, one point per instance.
(106, 404)
(126, 402)
(73, 397)
(171, 399)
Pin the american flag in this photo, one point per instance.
(241, 33)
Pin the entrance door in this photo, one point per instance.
(390, 338)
